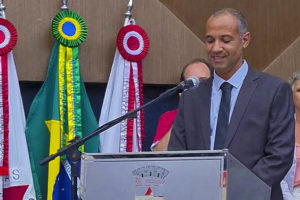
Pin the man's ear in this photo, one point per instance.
(246, 39)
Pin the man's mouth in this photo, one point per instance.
(218, 58)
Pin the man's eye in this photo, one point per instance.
(226, 40)
(209, 40)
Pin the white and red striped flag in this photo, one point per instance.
(124, 92)
(15, 173)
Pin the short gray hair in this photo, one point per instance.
(242, 22)
(294, 77)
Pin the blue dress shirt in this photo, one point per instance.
(236, 81)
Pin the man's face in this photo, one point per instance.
(224, 44)
(198, 70)
(296, 94)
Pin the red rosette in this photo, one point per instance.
(8, 36)
(133, 43)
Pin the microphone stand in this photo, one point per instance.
(72, 150)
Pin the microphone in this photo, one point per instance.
(190, 83)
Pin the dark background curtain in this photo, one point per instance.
(96, 93)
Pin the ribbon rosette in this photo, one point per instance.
(8, 36)
(133, 43)
(69, 28)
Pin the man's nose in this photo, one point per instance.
(216, 46)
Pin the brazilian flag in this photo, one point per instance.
(60, 111)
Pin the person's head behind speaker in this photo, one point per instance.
(198, 68)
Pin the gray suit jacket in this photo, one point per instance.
(261, 129)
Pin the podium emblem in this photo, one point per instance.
(149, 182)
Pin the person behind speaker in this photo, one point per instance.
(291, 182)
(198, 68)
(250, 113)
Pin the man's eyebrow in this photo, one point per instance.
(226, 36)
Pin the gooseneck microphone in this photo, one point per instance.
(190, 83)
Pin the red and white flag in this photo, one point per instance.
(15, 173)
(124, 92)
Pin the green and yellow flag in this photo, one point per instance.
(60, 111)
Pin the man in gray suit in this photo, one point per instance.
(240, 109)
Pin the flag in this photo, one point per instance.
(60, 111)
(124, 92)
(16, 179)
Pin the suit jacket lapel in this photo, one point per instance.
(244, 96)
(205, 98)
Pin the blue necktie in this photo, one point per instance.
(223, 117)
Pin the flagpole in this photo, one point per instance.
(128, 14)
(72, 153)
(2, 9)
(64, 5)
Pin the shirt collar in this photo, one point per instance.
(236, 80)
